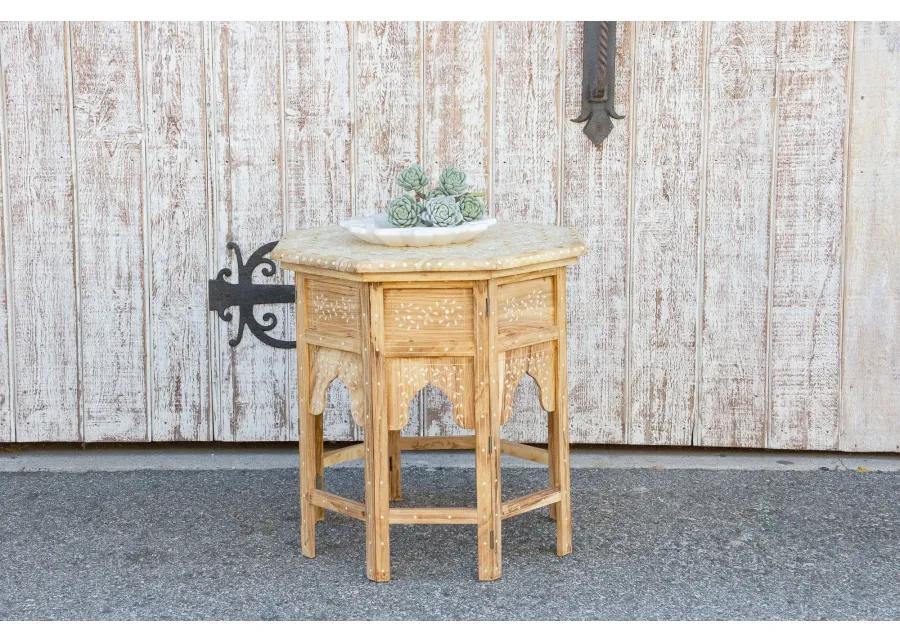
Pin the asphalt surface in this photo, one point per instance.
(649, 544)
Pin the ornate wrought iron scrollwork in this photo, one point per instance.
(598, 82)
(245, 295)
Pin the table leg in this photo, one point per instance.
(487, 478)
(320, 461)
(308, 465)
(551, 466)
(559, 459)
(487, 438)
(394, 465)
(376, 436)
(558, 439)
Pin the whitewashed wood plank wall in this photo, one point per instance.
(742, 287)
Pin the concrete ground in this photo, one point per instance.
(651, 542)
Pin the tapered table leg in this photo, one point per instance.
(558, 440)
(376, 438)
(308, 456)
(487, 438)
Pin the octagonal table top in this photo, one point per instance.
(503, 246)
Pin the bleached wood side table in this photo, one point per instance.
(471, 319)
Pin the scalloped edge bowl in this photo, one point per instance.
(379, 231)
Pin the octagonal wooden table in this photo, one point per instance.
(470, 319)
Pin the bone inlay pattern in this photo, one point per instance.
(425, 320)
(333, 309)
(539, 361)
(525, 306)
(517, 309)
(446, 312)
(452, 375)
(328, 364)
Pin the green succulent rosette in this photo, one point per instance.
(403, 212)
(413, 178)
(443, 211)
(471, 207)
(452, 181)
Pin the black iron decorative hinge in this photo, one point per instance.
(245, 295)
(598, 81)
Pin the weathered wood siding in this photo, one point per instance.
(249, 209)
(39, 209)
(178, 229)
(595, 200)
(110, 173)
(811, 87)
(742, 286)
(732, 353)
(871, 349)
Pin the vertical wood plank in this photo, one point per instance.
(249, 211)
(457, 114)
(666, 203)
(871, 346)
(456, 92)
(177, 211)
(318, 161)
(526, 157)
(7, 428)
(527, 121)
(595, 202)
(39, 209)
(812, 112)
(387, 115)
(108, 128)
(741, 80)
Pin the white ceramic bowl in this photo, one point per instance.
(378, 230)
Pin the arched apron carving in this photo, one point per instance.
(538, 361)
(453, 375)
(329, 364)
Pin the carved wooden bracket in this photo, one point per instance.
(453, 375)
(538, 361)
(329, 364)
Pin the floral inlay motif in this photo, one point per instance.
(415, 315)
(333, 309)
(517, 309)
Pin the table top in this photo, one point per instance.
(504, 246)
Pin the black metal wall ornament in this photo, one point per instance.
(245, 295)
(598, 82)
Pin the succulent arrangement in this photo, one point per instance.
(449, 203)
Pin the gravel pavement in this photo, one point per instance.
(649, 544)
